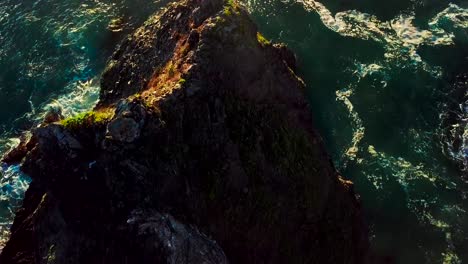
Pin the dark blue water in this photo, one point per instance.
(380, 81)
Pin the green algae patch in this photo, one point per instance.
(232, 7)
(182, 81)
(262, 40)
(233, 29)
(87, 119)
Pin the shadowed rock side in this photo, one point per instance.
(202, 134)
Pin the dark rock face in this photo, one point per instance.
(181, 244)
(210, 139)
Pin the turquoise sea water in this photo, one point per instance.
(380, 81)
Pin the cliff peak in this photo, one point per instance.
(201, 150)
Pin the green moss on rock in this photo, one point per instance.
(262, 40)
(87, 119)
(231, 7)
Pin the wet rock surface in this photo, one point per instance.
(210, 139)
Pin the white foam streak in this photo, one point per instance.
(359, 130)
(399, 36)
(408, 174)
(13, 185)
(456, 145)
(82, 98)
(454, 15)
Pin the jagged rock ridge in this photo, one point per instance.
(202, 134)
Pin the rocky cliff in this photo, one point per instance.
(201, 150)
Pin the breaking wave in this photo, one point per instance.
(14, 183)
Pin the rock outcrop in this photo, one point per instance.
(201, 150)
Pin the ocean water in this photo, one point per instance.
(380, 78)
(51, 55)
